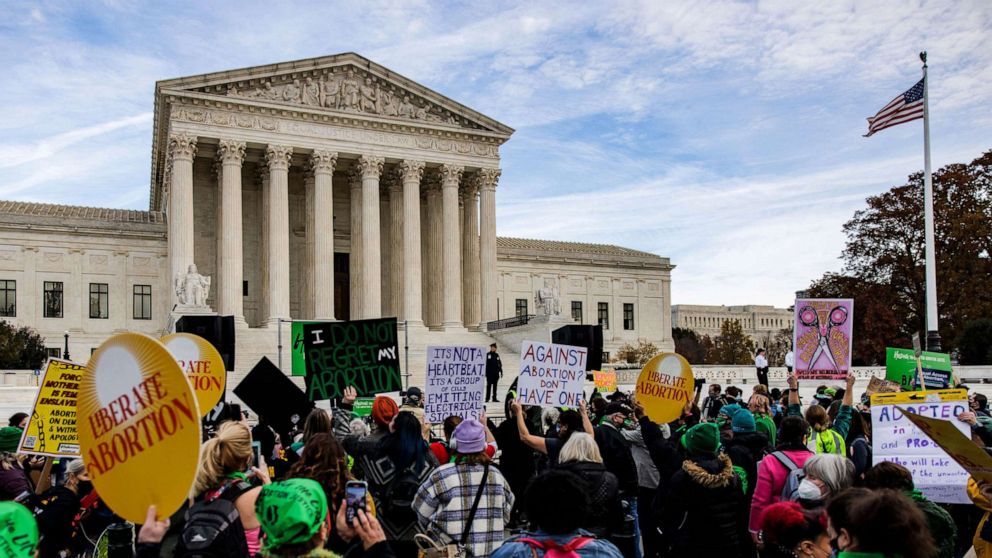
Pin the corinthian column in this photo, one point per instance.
(451, 175)
(396, 269)
(432, 277)
(470, 251)
(412, 172)
(277, 157)
(371, 301)
(182, 149)
(487, 242)
(322, 248)
(355, 256)
(230, 297)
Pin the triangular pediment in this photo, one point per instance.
(343, 83)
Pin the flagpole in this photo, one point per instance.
(933, 337)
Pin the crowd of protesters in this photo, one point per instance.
(738, 474)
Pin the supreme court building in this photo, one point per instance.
(320, 189)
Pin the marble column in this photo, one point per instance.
(451, 176)
(412, 172)
(396, 268)
(230, 299)
(435, 303)
(487, 242)
(371, 298)
(385, 233)
(309, 224)
(355, 255)
(263, 245)
(470, 251)
(278, 157)
(182, 149)
(322, 248)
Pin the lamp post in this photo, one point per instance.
(65, 352)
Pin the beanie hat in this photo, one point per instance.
(702, 439)
(618, 407)
(10, 438)
(413, 396)
(730, 410)
(470, 437)
(383, 410)
(743, 421)
(18, 531)
(290, 511)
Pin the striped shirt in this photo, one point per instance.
(444, 502)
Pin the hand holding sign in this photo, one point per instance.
(664, 387)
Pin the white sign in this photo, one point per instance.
(895, 438)
(455, 380)
(551, 375)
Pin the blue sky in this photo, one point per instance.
(724, 135)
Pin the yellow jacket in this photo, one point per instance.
(983, 549)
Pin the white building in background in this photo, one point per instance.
(327, 188)
(760, 323)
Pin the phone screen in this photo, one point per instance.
(256, 452)
(355, 495)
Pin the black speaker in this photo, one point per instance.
(218, 330)
(588, 336)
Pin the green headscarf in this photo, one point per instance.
(18, 531)
(291, 511)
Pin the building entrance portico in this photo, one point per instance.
(274, 178)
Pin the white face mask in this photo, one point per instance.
(808, 490)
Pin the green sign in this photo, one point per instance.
(900, 367)
(299, 355)
(362, 407)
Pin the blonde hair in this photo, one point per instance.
(817, 418)
(580, 447)
(227, 452)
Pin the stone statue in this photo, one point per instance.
(369, 97)
(311, 93)
(547, 299)
(349, 91)
(192, 288)
(291, 92)
(331, 92)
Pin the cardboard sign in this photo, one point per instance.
(606, 381)
(299, 354)
(139, 427)
(823, 338)
(362, 407)
(202, 364)
(665, 386)
(948, 436)
(900, 367)
(361, 353)
(551, 375)
(455, 381)
(52, 428)
(878, 385)
(897, 439)
(271, 394)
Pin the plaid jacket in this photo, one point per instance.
(445, 499)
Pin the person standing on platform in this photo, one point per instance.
(761, 364)
(494, 371)
(790, 361)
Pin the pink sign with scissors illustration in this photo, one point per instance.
(823, 336)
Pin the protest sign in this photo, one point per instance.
(139, 427)
(897, 439)
(551, 375)
(360, 353)
(52, 428)
(823, 337)
(900, 367)
(961, 449)
(362, 407)
(605, 380)
(271, 394)
(455, 380)
(202, 364)
(664, 387)
(878, 385)
(299, 354)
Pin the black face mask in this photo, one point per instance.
(83, 488)
(834, 546)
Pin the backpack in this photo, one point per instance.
(551, 549)
(398, 495)
(790, 490)
(833, 443)
(213, 526)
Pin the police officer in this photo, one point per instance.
(494, 371)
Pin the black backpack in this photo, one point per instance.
(398, 495)
(213, 527)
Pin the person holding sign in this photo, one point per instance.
(827, 437)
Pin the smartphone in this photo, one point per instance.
(256, 453)
(355, 495)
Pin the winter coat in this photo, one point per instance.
(746, 449)
(771, 481)
(606, 512)
(617, 458)
(13, 482)
(702, 510)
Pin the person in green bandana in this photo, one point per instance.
(883, 523)
(18, 531)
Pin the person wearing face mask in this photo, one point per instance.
(877, 524)
(569, 422)
(58, 508)
(618, 458)
(823, 476)
(790, 531)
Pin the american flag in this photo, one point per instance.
(907, 106)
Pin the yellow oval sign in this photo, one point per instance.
(202, 364)
(665, 386)
(139, 426)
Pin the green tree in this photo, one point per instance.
(884, 259)
(732, 346)
(21, 348)
(637, 355)
(694, 347)
(777, 345)
(975, 343)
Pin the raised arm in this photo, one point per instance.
(794, 406)
(586, 424)
(529, 440)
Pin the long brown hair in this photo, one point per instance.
(324, 461)
(883, 521)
